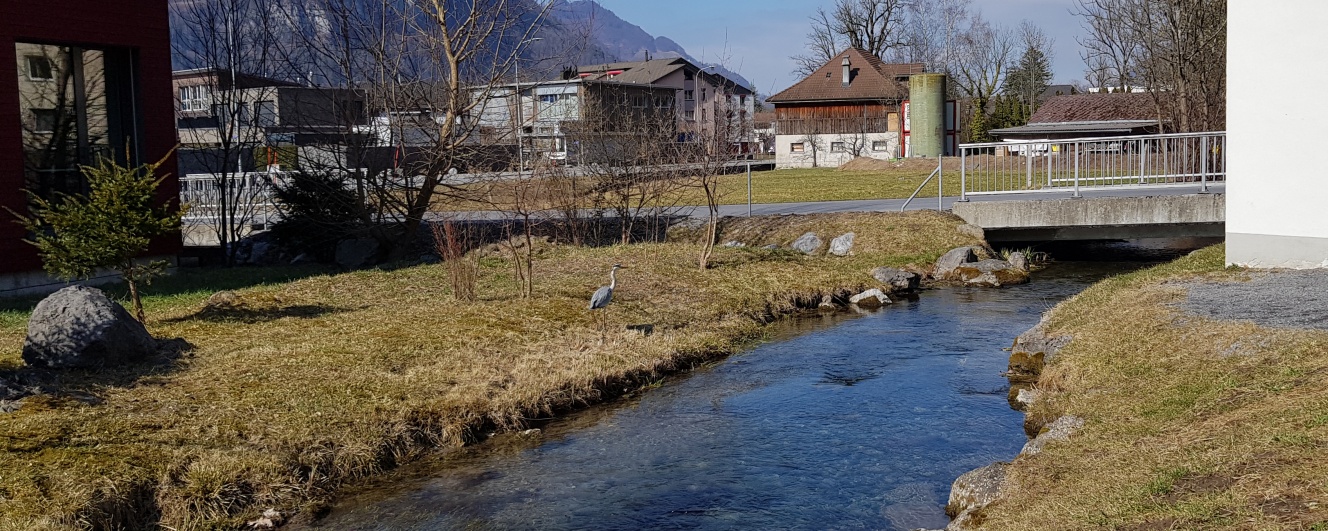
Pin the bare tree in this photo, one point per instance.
(979, 66)
(427, 69)
(1174, 48)
(877, 26)
(232, 46)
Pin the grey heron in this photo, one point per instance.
(604, 294)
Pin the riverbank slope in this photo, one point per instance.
(297, 387)
(1193, 417)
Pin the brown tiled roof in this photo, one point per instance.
(872, 79)
(764, 117)
(1096, 108)
(642, 72)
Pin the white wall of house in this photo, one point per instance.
(830, 155)
(1276, 194)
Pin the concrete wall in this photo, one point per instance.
(1277, 204)
(786, 158)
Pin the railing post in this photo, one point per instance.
(940, 182)
(963, 173)
(1142, 147)
(1203, 164)
(1028, 166)
(1077, 145)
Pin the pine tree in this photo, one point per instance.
(76, 235)
(1028, 78)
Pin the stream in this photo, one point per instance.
(841, 421)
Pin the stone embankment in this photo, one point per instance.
(976, 489)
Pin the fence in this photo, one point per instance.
(1187, 159)
(244, 195)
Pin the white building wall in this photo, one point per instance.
(1276, 191)
(826, 157)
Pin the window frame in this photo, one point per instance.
(30, 60)
(797, 147)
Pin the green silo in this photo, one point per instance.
(926, 94)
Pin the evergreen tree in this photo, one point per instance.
(1028, 78)
(78, 234)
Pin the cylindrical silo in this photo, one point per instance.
(926, 94)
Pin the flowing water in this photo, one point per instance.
(839, 422)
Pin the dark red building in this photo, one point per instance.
(79, 79)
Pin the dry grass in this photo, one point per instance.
(1192, 423)
(306, 384)
(891, 180)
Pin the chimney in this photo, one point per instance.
(846, 72)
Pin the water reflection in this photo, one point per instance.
(837, 424)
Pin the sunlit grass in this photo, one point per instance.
(315, 378)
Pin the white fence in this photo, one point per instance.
(1188, 159)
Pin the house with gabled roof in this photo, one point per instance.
(847, 108)
(1088, 115)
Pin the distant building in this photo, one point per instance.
(86, 80)
(1088, 115)
(849, 107)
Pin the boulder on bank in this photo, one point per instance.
(79, 326)
(807, 243)
(946, 265)
(972, 491)
(871, 298)
(990, 273)
(1059, 430)
(842, 245)
(897, 279)
(1032, 350)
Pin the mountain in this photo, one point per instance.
(619, 39)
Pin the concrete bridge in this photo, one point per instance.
(1107, 217)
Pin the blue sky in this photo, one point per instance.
(756, 37)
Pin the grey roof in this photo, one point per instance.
(1103, 126)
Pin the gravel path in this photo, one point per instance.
(1288, 299)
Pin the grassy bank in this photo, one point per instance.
(308, 383)
(1192, 423)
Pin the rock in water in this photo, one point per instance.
(870, 298)
(842, 245)
(990, 273)
(79, 326)
(896, 278)
(946, 265)
(807, 243)
(1018, 260)
(972, 491)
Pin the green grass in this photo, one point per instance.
(315, 379)
(831, 184)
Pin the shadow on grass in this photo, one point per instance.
(250, 315)
(43, 387)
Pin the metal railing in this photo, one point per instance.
(1069, 165)
(249, 194)
(939, 173)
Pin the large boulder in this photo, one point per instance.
(897, 279)
(842, 245)
(972, 491)
(357, 253)
(1032, 351)
(990, 273)
(1019, 260)
(871, 298)
(946, 265)
(79, 326)
(807, 243)
(1059, 430)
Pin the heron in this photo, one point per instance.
(604, 294)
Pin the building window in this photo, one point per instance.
(742, 100)
(688, 75)
(880, 145)
(703, 115)
(40, 68)
(195, 98)
(703, 94)
(690, 115)
(836, 147)
(548, 98)
(43, 120)
(892, 122)
(689, 95)
(796, 147)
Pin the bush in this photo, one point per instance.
(317, 211)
